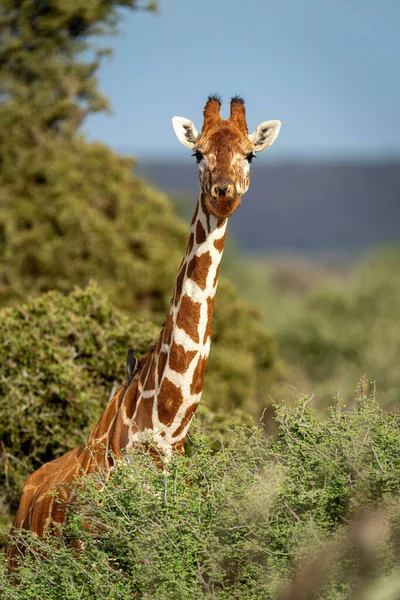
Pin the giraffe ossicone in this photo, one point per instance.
(157, 403)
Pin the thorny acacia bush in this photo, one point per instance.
(230, 525)
(60, 357)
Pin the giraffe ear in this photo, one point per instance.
(265, 135)
(185, 131)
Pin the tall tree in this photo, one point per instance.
(48, 62)
(63, 200)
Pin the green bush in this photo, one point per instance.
(233, 525)
(59, 358)
(73, 211)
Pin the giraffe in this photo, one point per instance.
(156, 404)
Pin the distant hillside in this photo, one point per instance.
(310, 207)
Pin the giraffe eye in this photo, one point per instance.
(249, 157)
(198, 155)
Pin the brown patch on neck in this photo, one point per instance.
(210, 307)
(108, 415)
(186, 419)
(198, 268)
(118, 436)
(146, 368)
(179, 282)
(179, 358)
(150, 383)
(220, 243)
(170, 399)
(162, 361)
(196, 212)
(168, 327)
(189, 317)
(144, 418)
(198, 376)
(123, 437)
(205, 211)
(200, 233)
(130, 399)
(216, 275)
(190, 244)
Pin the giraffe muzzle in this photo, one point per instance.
(223, 200)
(223, 189)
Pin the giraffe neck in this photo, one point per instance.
(160, 402)
(171, 382)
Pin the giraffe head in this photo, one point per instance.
(224, 150)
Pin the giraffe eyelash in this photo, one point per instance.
(198, 155)
(249, 157)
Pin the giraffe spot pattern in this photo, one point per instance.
(196, 212)
(158, 348)
(150, 383)
(179, 283)
(220, 243)
(144, 418)
(110, 411)
(198, 376)
(170, 399)
(168, 327)
(162, 361)
(190, 244)
(205, 211)
(146, 369)
(179, 358)
(201, 235)
(189, 317)
(119, 435)
(216, 276)
(210, 307)
(198, 269)
(186, 419)
(130, 399)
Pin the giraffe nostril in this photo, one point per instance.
(223, 188)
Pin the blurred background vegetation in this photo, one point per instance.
(89, 251)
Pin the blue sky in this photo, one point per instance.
(328, 69)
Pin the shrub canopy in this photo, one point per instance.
(236, 524)
(61, 355)
(72, 211)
